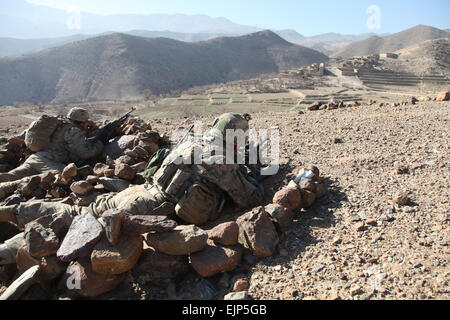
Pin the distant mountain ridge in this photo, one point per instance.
(20, 19)
(120, 66)
(326, 43)
(391, 43)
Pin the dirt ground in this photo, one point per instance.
(353, 243)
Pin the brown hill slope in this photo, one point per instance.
(120, 66)
(429, 57)
(392, 42)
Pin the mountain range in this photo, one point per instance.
(20, 19)
(122, 66)
(27, 28)
(392, 43)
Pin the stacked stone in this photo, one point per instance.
(332, 105)
(12, 152)
(86, 257)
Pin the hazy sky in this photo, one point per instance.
(308, 17)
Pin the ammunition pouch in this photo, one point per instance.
(198, 205)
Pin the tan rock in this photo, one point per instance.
(80, 280)
(109, 259)
(216, 259)
(69, 172)
(81, 188)
(92, 179)
(290, 198)
(401, 198)
(40, 241)
(99, 169)
(182, 240)
(281, 217)
(51, 266)
(124, 171)
(257, 232)
(108, 173)
(443, 96)
(226, 233)
(241, 284)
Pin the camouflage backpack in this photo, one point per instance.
(38, 135)
(196, 200)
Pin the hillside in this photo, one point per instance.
(119, 66)
(326, 43)
(429, 57)
(391, 43)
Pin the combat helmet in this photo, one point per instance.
(78, 114)
(232, 121)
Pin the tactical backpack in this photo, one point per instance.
(196, 200)
(38, 135)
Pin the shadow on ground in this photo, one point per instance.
(299, 237)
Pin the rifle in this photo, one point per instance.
(185, 136)
(104, 133)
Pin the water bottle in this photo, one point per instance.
(309, 174)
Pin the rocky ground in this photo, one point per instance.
(354, 243)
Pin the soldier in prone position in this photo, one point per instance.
(195, 191)
(67, 144)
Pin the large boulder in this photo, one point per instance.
(80, 280)
(226, 233)
(124, 171)
(51, 266)
(289, 197)
(117, 259)
(84, 232)
(40, 241)
(81, 188)
(116, 147)
(135, 225)
(216, 259)
(281, 217)
(257, 232)
(443, 96)
(182, 240)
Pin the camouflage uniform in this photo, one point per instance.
(68, 144)
(210, 182)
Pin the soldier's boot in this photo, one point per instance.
(8, 214)
(8, 188)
